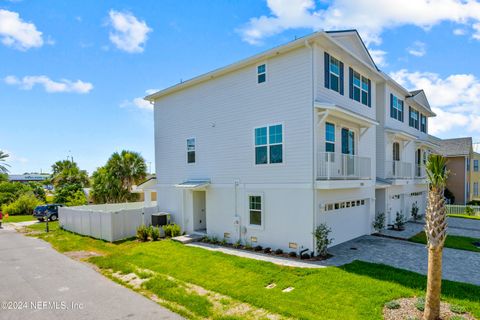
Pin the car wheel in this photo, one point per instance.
(40, 219)
(53, 218)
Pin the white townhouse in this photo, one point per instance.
(267, 148)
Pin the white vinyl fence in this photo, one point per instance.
(110, 222)
(460, 209)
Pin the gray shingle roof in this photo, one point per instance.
(456, 147)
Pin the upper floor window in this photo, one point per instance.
(423, 123)
(360, 88)
(413, 117)
(333, 74)
(396, 108)
(269, 144)
(475, 165)
(191, 150)
(329, 137)
(468, 164)
(261, 73)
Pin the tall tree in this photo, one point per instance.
(3, 164)
(436, 232)
(67, 172)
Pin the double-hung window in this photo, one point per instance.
(475, 165)
(423, 123)
(269, 144)
(191, 150)
(413, 117)
(360, 88)
(261, 73)
(329, 137)
(333, 73)
(255, 210)
(396, 108)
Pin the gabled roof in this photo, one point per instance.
(353, 41)
(420, 97)
(456, 147)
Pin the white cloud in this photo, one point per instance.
(139, 102)
(379, 57)
(129, 33)
(459, 32)
(370, 17)
(454, 99)
(64, 85)
(16, 33)
(419, 49)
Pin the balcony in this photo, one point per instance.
(337, 166)
(398, 170)
(420, 172)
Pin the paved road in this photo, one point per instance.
(32, 272)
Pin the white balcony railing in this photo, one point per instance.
(420, 172)
(337, 166)
(398, 170)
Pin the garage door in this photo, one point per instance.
(348, 220)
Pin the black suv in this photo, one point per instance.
(47, 211)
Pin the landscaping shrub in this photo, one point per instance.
(248, 246)
(76, 199)
(420, 304)
(415, 215)
(237, 244)
(469, 211)
(399, 220)
(214, 240)
(457, 309)
(154, 233)
(258, 248)
(322, 240)
(392, 305)
(473, 203)
(24, 205)
(379, 222)
(142, 233)
(279, 251)
(305, 256)
(223, 242)
(292, 254)
(172, 230)
(267, 250)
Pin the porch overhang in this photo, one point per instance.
(428, 144)
(399, 134)
(342, 113)
(193, 184)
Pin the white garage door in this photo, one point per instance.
(348, 220)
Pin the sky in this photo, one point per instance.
(73, 73)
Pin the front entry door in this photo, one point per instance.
(199, 211)
(348, 149)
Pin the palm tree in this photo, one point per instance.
(67, 172)
(3, 157)
(129, 167)
(436, 232)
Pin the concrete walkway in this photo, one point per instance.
(49, 285)
(458, 265)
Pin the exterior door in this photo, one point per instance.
(418, 162)
(396, 158)
(348, 150)
(199, 211)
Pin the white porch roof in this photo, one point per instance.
(193, 184)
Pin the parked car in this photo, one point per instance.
(47, 211)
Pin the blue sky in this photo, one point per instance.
(72, 72)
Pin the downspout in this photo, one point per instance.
(313, 126)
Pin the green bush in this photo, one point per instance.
(473, 203)
(457, 318)
(469, 211)
(11, 191)
(237, 244)
(24, 205)
(379, 222)
(420, 304)
(142, 233)
(322, 240)
(154, 233)
(66, 192)
(76, 199)
(392, 305)
(172, 230)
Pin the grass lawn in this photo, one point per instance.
(230, 284)
(454, 242)
(19, 218)
(464, 216)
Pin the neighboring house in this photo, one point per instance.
(28, 177)
(463, 166)
(403, 146)
(147, 190)
(266, 149)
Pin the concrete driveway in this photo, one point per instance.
(458, 265)
(49, 285)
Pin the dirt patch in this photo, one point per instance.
(408, 310)
(81, 255)
(131, 279)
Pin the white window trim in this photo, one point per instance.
(265, 73)
(186, 151)
(268, 145)
(339, 125)
(330, 72)
(396, 106)
(361, 77)
(262, 211)
(334, 136)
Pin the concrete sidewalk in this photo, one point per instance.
(44, 281)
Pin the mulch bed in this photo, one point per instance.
(408, 310)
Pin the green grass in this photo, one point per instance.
(454, 242)
(18, 218)
(464, 216)
(358, 290)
